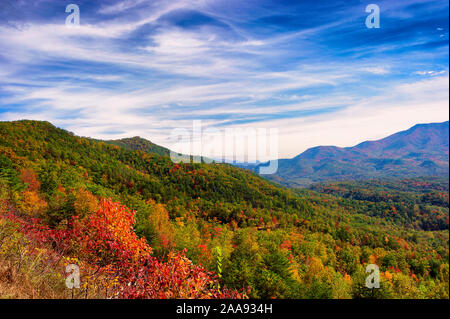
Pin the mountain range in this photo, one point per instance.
(422, 150)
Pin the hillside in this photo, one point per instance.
(139, 144)
(121, 213)
(419, 202)
(109, 169)
(422, 150)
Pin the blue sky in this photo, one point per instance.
(312, 69)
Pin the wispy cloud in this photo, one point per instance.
(138, 67)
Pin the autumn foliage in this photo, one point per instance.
(273, 242)
(85, 203)
(115, 263)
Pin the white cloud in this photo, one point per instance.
(120, 6)
(377, 70)
(430, 73)
(174, 75)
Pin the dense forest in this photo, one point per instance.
(420, 203)
(140, 226)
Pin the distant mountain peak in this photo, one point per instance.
(422, 150)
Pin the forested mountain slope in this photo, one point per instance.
(420, 203)
(218, 190)
(260, 240)
(139, 144)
